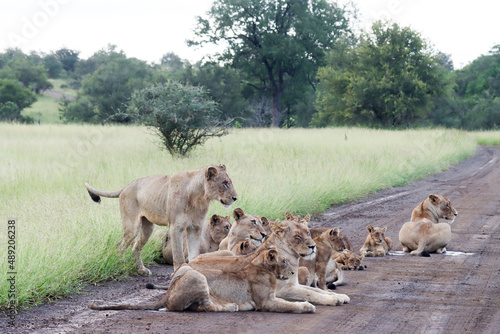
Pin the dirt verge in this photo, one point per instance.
(454, 293)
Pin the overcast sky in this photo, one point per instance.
(147, 29)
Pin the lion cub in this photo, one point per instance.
(348, 260)
(376, 244)
(214, 230)
(326, 244)
(252, 287)
(243, 247)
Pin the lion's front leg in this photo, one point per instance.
(193, 242)
(176, 235)
(312, 295)
(284, 306)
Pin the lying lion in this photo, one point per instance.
(376, 243)
(213, 231)
(240, 287)
(244, 247)
(348, 260)
(245, 226)
(424, 234)
(315, 232)
(327, 243)
(162, 200)
(291, 239)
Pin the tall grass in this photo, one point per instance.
(487, 137)
(64, 240)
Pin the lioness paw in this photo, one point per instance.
(144, 271)
(342, 299)
(308, 307)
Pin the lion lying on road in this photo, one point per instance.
(292, 240)
(327, 243)
(245, 226)
(348, 260)
(162, 200)
(424, 234)
(213, 231)
(252, 287)
(376, 244)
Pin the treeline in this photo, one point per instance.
(291, 63)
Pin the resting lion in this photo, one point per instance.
(424, 234)
(245, 226)
(376, 243)
(179, 201)
(327, 243)
(251, 286)
(348, 260)
(292, 240)
(244, 247)
(214, 230)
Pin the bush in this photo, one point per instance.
(183, 116)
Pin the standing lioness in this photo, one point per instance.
(180, 201)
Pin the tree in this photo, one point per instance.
(13, 99)
(109, 88)
(277, 43)
(23, 69)
(223, 84)
(388, 79)
(183, 116)
(68, 58)
(53, 66)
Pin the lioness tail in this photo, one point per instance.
(96, 194)
(154, 286)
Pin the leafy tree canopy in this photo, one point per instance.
(388, 79)
(279, 44)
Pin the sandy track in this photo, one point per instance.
(396, 294)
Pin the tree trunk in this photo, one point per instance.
(276, 110)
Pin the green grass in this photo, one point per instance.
(487, 137)
(64, 240)
(45, 110)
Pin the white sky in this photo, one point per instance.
(147, 29)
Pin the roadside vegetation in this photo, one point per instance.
(65, 241)
(316, 115)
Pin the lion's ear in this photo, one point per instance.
(272, 254)
(223, 167)
(334, 231)
(238, 213)
(264, 220)
(384, 229)
(275, 227)
(214, 219)
(288, 216)
(369, 228)
(211, 173)
(434, 198)
(307, 218)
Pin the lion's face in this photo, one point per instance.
(443, 207)
(377, 234)
(278, 264)
(219, 186)
(219, 227)
(248, 226)
(334, 237)
(351, 260)
(298, 237)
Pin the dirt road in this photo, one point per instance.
(454, 293)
